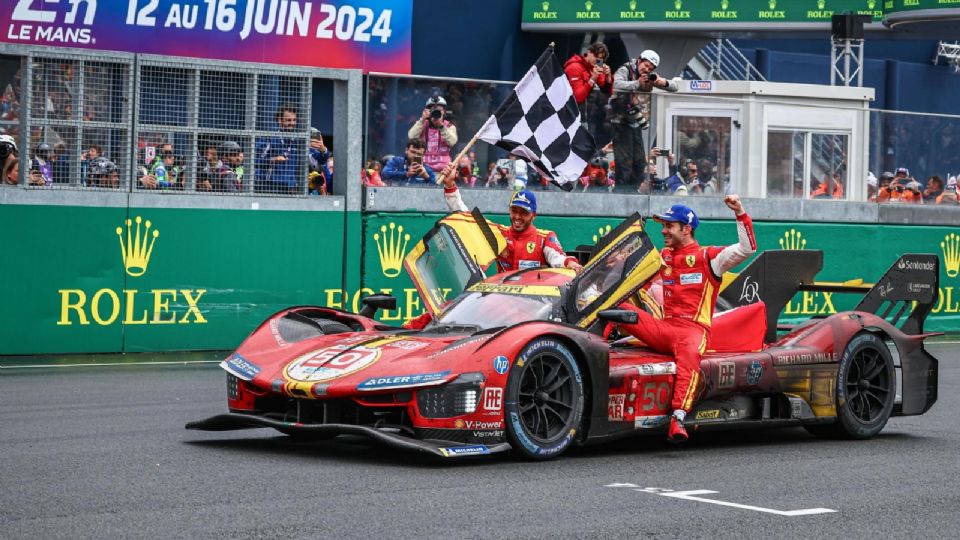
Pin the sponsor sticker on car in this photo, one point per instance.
(727, 375)
(754, 372)
(493, 399)
(615, 407)
(402, 381)
(501, 364)
(241, 367)
(455, 451)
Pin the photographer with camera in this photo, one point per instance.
(409, 168)
(436, 131)
(588, 71)
(628, 107)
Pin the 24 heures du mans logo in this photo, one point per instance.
(103, 307)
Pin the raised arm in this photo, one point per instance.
(746, 245)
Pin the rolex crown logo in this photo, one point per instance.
(678, 4)
(633, 5)
(545, 5)
(588, 4)
(871, 4)
(951, 254)
(601, 232)
(793, 239)
(821, 4)
(772, 4)
(724, 4)
(391, 246)
(137, 249)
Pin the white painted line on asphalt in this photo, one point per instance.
(691, 495)
(107, 364)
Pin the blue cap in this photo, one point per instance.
(525, 199)
(679, 213)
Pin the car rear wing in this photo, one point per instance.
(904, 295)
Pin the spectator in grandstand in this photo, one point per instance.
(596, 175)
(501, 176)
(11, 170)
(951, 194)
(438, 133)
(684, 179)
(588, 71)
(60, 164)
(164, 173)
(207, 167)
(911, 192)
(627, 113)
(103, 173)
(830, 188)
(464, 173)
(227, 177)
(934, 189)
(885, 188)
(41, 168)
(93, 152)
(370, 174)
(319, 176)
(409, 168)
(278, 157)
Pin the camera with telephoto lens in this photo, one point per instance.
(436, 114)
(651, 77)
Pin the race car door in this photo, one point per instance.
(625, 260)
(456, 253)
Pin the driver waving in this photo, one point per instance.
(527, 247)
(691, 277)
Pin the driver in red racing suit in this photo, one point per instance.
(691, 277)
(527, 247)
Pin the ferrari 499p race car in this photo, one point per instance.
(518, 360)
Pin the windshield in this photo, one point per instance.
(491, 310)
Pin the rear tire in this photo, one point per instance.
(866, 390)
(545, 400)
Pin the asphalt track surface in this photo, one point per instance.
(101, 452)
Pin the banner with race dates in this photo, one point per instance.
(372, 35)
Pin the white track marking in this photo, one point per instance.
(691, 495)
(114, 364)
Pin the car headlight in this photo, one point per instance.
(456, 398)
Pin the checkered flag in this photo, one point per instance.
(540, 122)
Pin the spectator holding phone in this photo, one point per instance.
(409, 168)
(438, 134)
(628, 109)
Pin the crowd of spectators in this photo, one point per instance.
(901, 188)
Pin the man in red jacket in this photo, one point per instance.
(691, 277)
(589, 70)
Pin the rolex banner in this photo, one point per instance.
(101, 279)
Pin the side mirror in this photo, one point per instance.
(376, 302)
(622, 316)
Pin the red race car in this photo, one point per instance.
(518, 361)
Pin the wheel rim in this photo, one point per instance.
(547, 395)
(868, 385)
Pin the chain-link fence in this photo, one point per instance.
(145, 123)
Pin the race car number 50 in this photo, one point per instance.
(288, 18)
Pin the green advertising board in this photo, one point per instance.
(894, 6)
(714, 12)
(850, 252)
(95, 279)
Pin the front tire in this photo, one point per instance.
(545, 399)
(866, 390)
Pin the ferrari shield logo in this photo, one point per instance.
(691, 260)
(667, 271)
(531, 247)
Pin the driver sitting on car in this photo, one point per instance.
(527, 247)
(690, 278)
